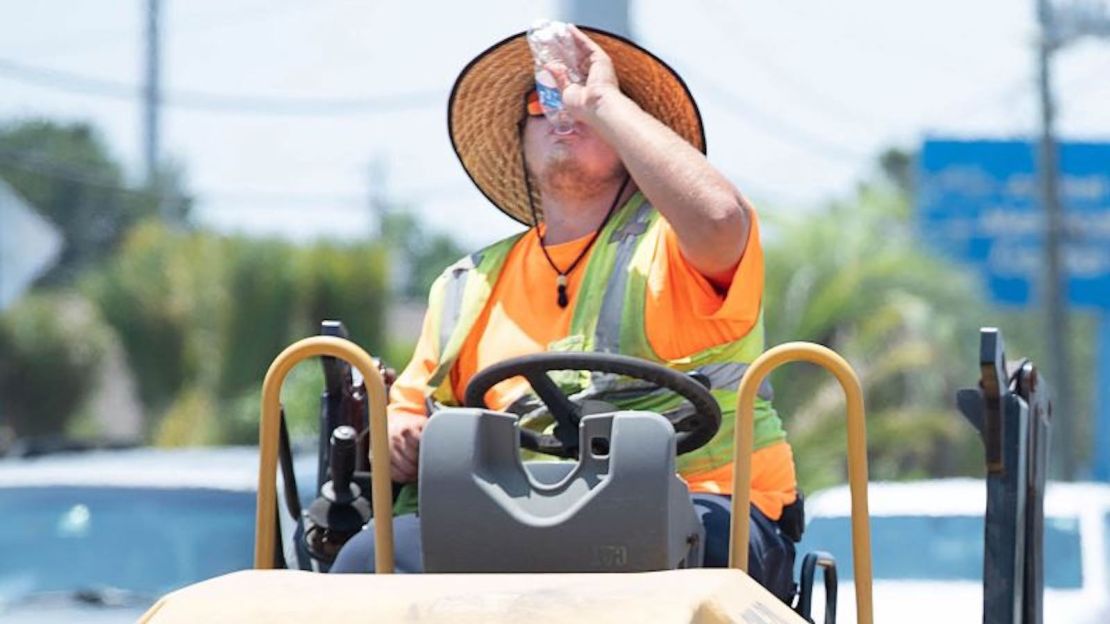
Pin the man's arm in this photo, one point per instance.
(708, 214)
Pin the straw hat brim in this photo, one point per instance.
(487, 105)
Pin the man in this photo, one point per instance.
(637, 245)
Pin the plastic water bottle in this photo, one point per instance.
(553, 44)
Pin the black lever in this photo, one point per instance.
(340, 511)
(805, 591)
(343, 446)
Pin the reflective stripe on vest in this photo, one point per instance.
(453, 295)
(607, 333)
(457, 298)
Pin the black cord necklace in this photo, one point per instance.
(561, 279)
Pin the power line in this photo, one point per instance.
(354, 201)
(1014, 92)
(152, 90)
(191, 24)
(89, 177)
(223, 103)
(36, 164)
(781, 129)
(818, 99)
(254, 196)
(68, 172)
(1017, 92)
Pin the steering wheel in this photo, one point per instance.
(693, 429)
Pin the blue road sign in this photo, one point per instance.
(978, 202)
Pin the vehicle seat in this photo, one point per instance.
(620, 508)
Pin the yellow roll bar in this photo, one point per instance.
(857, 459)
(265, 523)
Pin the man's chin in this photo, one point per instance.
(563, 172)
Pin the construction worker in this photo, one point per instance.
(635, 244)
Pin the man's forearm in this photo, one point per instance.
(707, 213)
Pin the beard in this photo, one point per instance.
(565, 176)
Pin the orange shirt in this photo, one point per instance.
(523, 317)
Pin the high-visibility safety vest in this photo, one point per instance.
(608, 317)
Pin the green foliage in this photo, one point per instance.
(50, 350)
(398, 353)
(300, 397)
(853, 278)
(67, 174)
(192, 420)
(165, 295)
(202, 316)
(423, 254)
(199, 316)
(262, 290)
(347, 283)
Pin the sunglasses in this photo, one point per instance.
(532, 104)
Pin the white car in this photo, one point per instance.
(98, 536)
(927, 551)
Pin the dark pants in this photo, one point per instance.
(770, 553)
(357, 555)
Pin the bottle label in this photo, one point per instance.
(548, 92)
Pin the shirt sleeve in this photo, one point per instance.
(680, 296)
(408, 391)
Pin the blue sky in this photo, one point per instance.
(797, 96)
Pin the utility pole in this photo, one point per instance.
(378, 178)
(611, 15)
(1059, 25)
(380, 209)
(151, 93)
(1055, 279)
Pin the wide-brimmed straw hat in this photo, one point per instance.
(487, 105)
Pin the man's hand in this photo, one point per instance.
(597, 68)
(388, 373)
(405, 431)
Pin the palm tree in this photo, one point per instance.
(853, 278)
